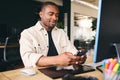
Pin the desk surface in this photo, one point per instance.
(16, 75)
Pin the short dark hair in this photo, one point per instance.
(42, 5)
(47, 3)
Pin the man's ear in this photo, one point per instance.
(40, 14)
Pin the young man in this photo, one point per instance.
(45, 45)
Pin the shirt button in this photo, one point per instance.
(47, 46)
(45, 34)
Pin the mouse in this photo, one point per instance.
(29, 72)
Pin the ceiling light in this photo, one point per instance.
(86, 4)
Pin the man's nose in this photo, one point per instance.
(55, 17)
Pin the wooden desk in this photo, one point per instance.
(12, 45)
(3, 77)
(2, 46)
(16, 75)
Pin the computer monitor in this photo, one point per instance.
(108, 30)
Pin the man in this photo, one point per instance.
(45, 45)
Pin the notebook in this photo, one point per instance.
(53, 73)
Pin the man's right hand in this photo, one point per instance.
(65, 59)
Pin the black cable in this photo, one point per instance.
(99, 68)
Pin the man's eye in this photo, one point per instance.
(50, 14)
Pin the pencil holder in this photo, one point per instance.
(111, 75)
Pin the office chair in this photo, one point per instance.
(11, 53)
(77, 44)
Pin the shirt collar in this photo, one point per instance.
(39, 26)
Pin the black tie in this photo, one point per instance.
(52, 49)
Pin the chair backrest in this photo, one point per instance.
(11, 53)
(77, 43)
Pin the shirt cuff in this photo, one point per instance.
(34, 59)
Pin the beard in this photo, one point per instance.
(49, 24)
(52, 24)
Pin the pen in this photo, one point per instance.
(112, 64)
(115, 69)
(111, 59)
(107, 63)
(103, 63)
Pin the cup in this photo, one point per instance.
(111, 75)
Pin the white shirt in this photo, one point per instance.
(34, 43)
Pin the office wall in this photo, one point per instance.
(82, 9)
(16, 15)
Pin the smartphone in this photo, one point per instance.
(82, 52)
